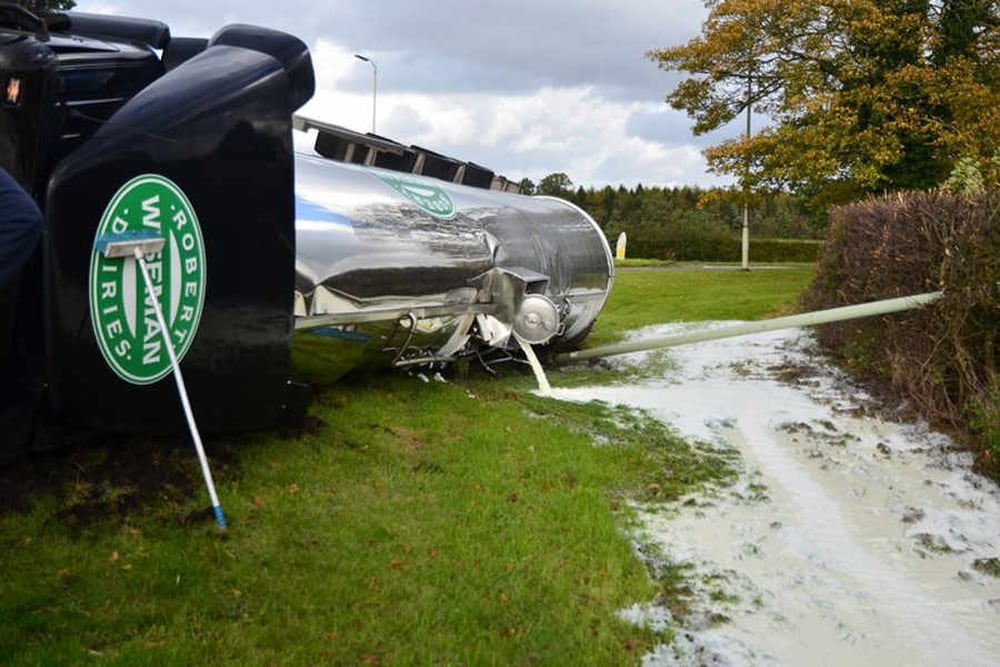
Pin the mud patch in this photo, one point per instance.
(112, 479)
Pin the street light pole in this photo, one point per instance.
(746, 185)
(374, 84)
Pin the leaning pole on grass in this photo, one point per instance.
(814, 318)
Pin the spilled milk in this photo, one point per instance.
(848, 539)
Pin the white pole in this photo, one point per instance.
(374, 84)
(746, 186)
(182, 390)
(374, 91)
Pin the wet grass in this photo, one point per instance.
(467, 522)
(633, 262)
(656, 363)
(990, 566)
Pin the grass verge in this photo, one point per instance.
(421, 524)
(642, 298)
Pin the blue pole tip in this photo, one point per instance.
(219, 517)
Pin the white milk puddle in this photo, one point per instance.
(847, 540)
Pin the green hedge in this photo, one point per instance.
(729, 248)
(784, 250)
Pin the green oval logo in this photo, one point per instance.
(121, 312)
(427, 196)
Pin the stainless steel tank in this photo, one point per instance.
(400, 269)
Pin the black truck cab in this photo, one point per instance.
(99, 111)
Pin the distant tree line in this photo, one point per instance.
(679, 222)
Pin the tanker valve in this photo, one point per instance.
(537, 319)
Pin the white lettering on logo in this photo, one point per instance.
(151, 341)
(155, 268)
(114, 328)
(151, 209)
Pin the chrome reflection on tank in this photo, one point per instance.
(403, 269)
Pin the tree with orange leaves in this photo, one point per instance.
(860, 95)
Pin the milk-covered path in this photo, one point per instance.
(848, 540)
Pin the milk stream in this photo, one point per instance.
(544, 388)
(848, 539)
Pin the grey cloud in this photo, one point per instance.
(457, 45)
(404, 124)
(512, 48)
(667, 125)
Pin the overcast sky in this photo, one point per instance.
(525, 87)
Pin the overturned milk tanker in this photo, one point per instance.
(361, 252)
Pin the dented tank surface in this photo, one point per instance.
(454, 268)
